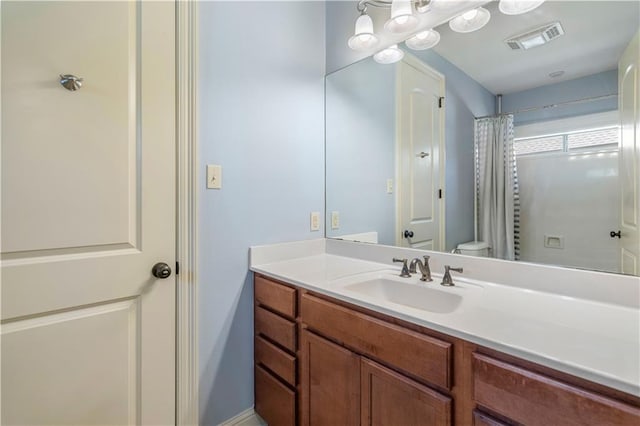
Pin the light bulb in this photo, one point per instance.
(363, 38)
(471, 20)
(423, 40)
(470, 14)
(517, 7)
(402, 19)
(389, 55)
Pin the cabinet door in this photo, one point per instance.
(275, 402)
(330, 382)
(389, 398)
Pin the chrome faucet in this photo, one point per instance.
(424, 268)
(405, 270)
(446, 279)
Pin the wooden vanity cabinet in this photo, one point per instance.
(419, 355)
(340, 387)
(372, 393)
(275, 352)
(321, 361)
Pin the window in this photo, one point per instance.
(537, 145)
(600, 139)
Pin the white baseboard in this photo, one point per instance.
(247, 418)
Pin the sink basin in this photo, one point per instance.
(417, 296)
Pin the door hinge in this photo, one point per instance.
(440, 101)
(439, 193)
(177, 267)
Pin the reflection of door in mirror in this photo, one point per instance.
(420, 136)
(629, 94)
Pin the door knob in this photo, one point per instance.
(408, 234)
(614, 234)
(161, 270)
(71, 82)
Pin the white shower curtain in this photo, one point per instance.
(497, 199)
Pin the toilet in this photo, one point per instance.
(474, 248)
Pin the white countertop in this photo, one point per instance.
(592, 339)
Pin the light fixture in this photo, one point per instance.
(363, 38)
(517, 7)
(402, 18)
(389, 55)
(422, 5)
(471, 20)
(405, 18)
(423, 40)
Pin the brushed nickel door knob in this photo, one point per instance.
(70, 82)
(161, 270)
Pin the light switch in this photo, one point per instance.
(315, 221)
(389, 186)
(335, 220)
(214, 176)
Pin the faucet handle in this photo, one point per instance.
(426, 274)
(446, 278)
(405, 269)
(448, 268)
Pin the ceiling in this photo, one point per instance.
(596, 34)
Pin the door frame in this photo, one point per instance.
(187, 165)
(424, 68)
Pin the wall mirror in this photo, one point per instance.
(400, 163)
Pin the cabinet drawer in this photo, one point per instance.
(276, 360)
(275, 328)
(275, 402)
(482, 419)
(278, 297)
(532, 399)
(425, 357)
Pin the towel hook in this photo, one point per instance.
(71, 82)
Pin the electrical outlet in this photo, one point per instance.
(389, 186)
(335, 220)
(214, 176)
(315, 221)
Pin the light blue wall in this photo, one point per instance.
(261, 117)
(604, 83)
(360, 149)
(464, 99)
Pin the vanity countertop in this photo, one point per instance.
(593, 339)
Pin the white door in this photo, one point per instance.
(629, 99)
(420, 156)
(88, 177)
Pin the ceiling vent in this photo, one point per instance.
(535, 38)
